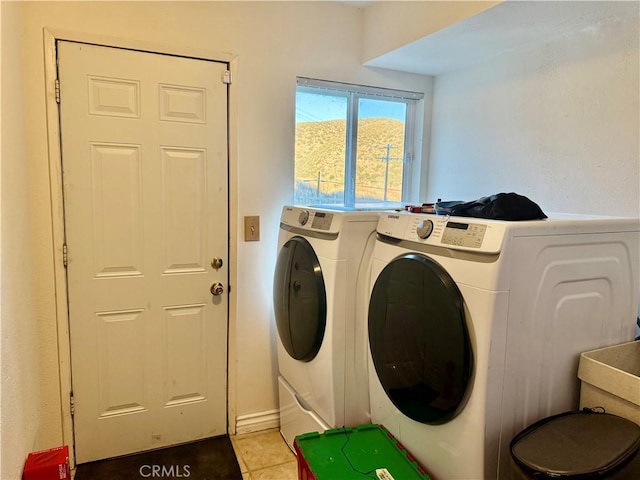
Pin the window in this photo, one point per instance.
(354, 144)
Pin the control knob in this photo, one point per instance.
(424, 228)
(303, 218)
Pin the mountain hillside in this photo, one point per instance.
(320, 157)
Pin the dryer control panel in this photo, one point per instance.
(310, 219)
(322, 222)
(459, 233)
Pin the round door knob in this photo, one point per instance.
(217, 262)
(217, 289)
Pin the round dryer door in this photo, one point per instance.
(419, 339)
(299, 299)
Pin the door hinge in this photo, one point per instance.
(226, 77)
(57, 91)
(65, 254)
(72, 405)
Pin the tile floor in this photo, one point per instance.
(265, 456)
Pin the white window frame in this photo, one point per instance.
(414, 102)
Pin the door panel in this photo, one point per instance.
(300, 299)
(144, 154)
(419, 339)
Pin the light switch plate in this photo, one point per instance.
(252, 229)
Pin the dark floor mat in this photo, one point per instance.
(210, 459)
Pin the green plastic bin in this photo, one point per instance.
(366, 451)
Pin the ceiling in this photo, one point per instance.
(507, 27)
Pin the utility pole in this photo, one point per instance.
(387, 158)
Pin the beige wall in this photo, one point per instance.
(273, 42)
(20, 389)
(558, 122)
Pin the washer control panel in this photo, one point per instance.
(459, 233)
(464, 234)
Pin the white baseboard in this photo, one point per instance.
(256, 422)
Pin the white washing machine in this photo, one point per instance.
(320, 298)
(476, 327)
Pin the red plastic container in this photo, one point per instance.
(51, 464)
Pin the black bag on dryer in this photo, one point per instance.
(501, 206)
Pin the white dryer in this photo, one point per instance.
(476, 327)
(320, 298)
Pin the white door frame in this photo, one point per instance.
(50, 37)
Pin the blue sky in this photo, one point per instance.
(319, 108)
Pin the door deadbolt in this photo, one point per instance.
(217, 289)
(217, 262)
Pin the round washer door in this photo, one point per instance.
(419, 339)
(299, 299)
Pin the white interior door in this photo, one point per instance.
(144, 154)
